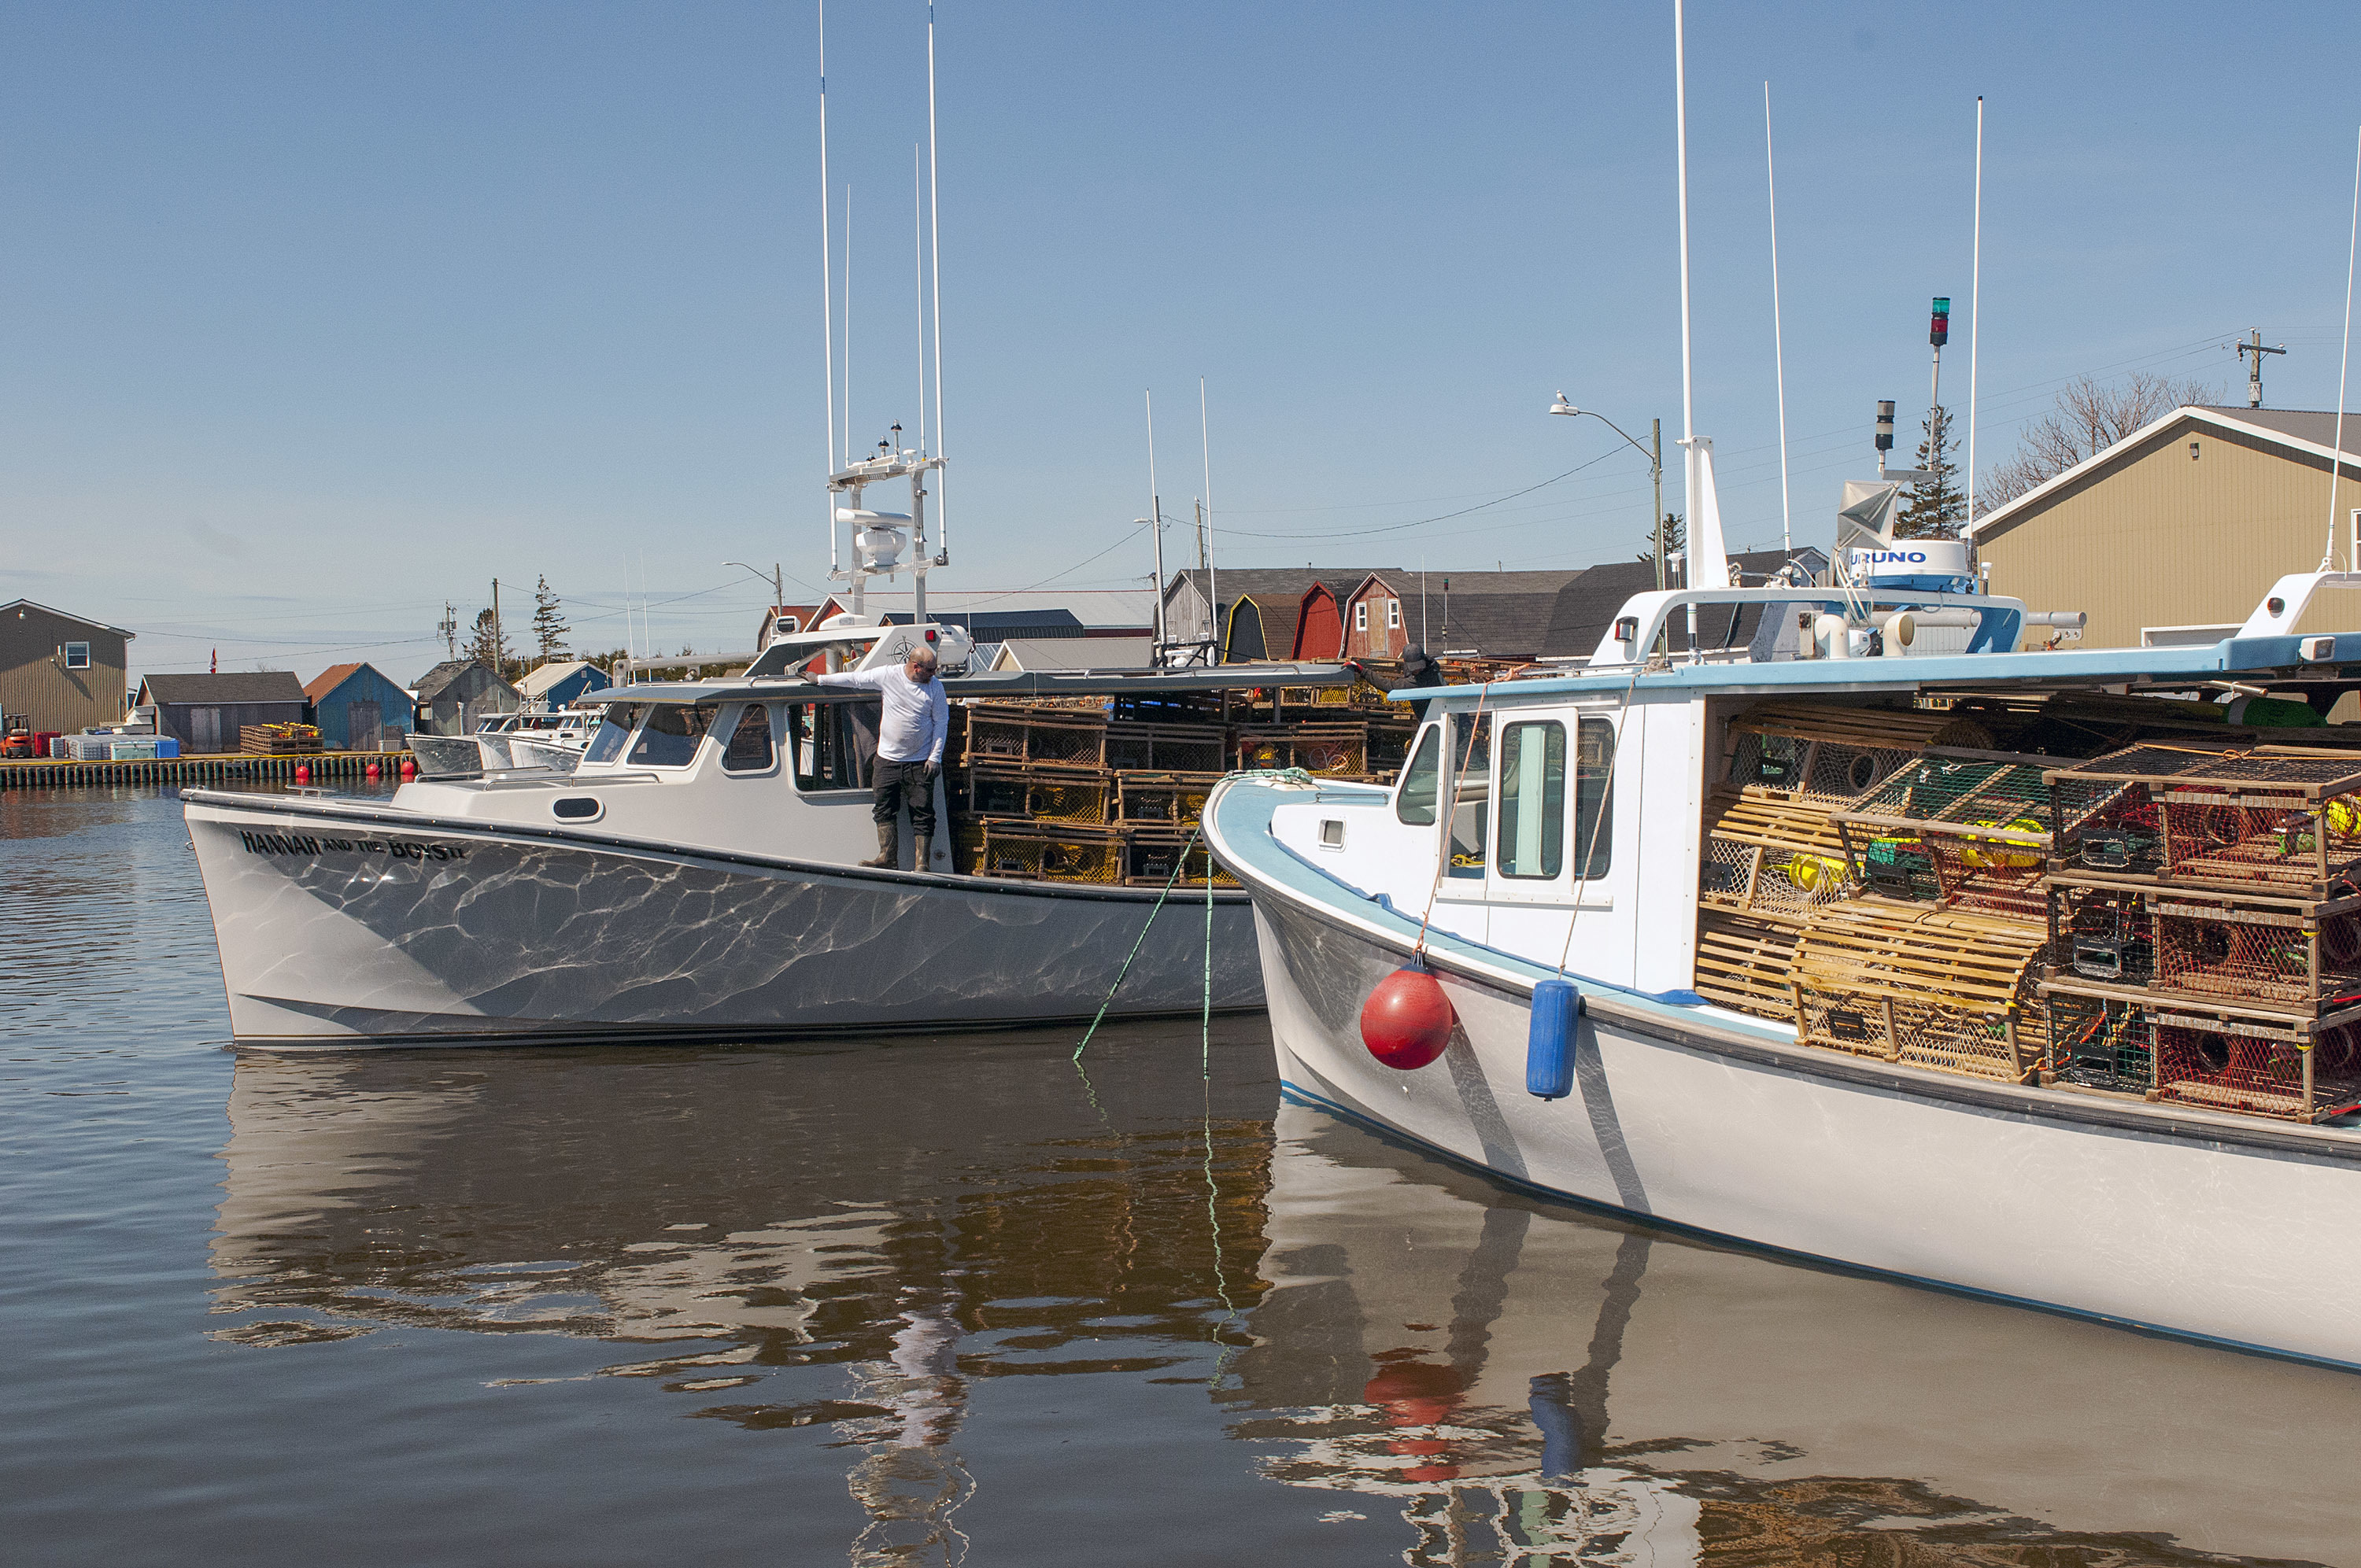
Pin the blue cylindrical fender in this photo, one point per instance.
(1550, 1044)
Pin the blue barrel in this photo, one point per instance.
(1550, 1046)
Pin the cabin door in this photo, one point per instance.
(1547, 878)
(362, 721)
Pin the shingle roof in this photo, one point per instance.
(229, 686)
(449, 670)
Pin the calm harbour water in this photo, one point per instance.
(947, 1300)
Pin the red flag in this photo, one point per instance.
(216, 667)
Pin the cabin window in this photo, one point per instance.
(1469, 784)
(614, 729)
(822, 738)
(77, 655)
(1393, 615)
(1414, 803)
(1361, 615)
(750, 744)
(1533, 799)
(1594, 799)
(671, 736)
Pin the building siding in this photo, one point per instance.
(2161, 538)
(35, 682)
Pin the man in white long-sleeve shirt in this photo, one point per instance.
(910, 734)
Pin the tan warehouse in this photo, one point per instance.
(2173, 534)
(60, 670)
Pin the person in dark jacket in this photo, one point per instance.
(1418, 670)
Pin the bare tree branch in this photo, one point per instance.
(2089, 417)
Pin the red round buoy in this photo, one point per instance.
(302, 772)
(1406, 1022)
(369, 772)
(409, 769)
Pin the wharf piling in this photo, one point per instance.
(235, 767)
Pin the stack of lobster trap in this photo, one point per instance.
(2179, 922)
(1092, 791)
(2205, 927)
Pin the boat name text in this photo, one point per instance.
(311, 844)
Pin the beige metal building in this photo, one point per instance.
(61, 672)
(2175, 532)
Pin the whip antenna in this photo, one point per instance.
(1778, 343)
(826, 287)
(1975, 308)
(935, 232)
(2344, 359)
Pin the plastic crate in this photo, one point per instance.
(132, 749)
(87, 748)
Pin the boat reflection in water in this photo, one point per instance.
(1522, 1382)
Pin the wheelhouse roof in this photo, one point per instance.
(2157, 668)
(994, 683)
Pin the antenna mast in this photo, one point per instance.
(1156, 527)
(1975, 308)
(847, 323)
(1212, 573)
(919, 255)
(935, 232)
(2344, 360)
(827, 288)
(1778, 342)
(1681, 146)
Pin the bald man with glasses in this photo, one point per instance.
(910, 731)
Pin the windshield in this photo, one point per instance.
(671, 736)
(614, 729)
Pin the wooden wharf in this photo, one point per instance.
(231, 767)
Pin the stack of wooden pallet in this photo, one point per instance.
(2205, 911)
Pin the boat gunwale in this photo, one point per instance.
(577, 837)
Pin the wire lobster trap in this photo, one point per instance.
(1170, 800)
(2225, 1059)
(2100, 932)
(1956, 829)
(1314, 748)
(1021, 794)
(1036, 736)
(2269, 951)
(1034, 852)
(2101, 1042)
(2276, 818)
(1946, 989)
(1149, 859)
(1831, 753)
(1164, 748)
(1768, 854)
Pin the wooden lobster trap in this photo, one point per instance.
(1957, 828)
(2273, 818)
(1035, 735)
(1020, 794)
(1164, 748)
(1768, 854)
(1746, 960)
(1038, 852)
(1946, 989)
(2242, 948)
(1830, 753)
(1168, 800)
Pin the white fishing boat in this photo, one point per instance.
(1812, 979)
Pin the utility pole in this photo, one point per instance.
(2253, 346)
(1657, 468)
(778, 585)
(449, 631)
(496, 627)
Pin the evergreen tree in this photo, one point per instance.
(549, 628)
(490, 644)
(1936, 507)
(1677, 540)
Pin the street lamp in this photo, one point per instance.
(775, 582)
(1655, 453)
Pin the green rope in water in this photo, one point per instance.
(1179, 861)
(1276, 775)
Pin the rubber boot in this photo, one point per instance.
(926, 843)
(889, 846)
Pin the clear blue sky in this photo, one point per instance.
(313, 316)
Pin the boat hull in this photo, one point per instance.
(2132, 1214)
(342, 926)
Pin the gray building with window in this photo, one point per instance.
(206, 711)
(456, 694)
(60, 672)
